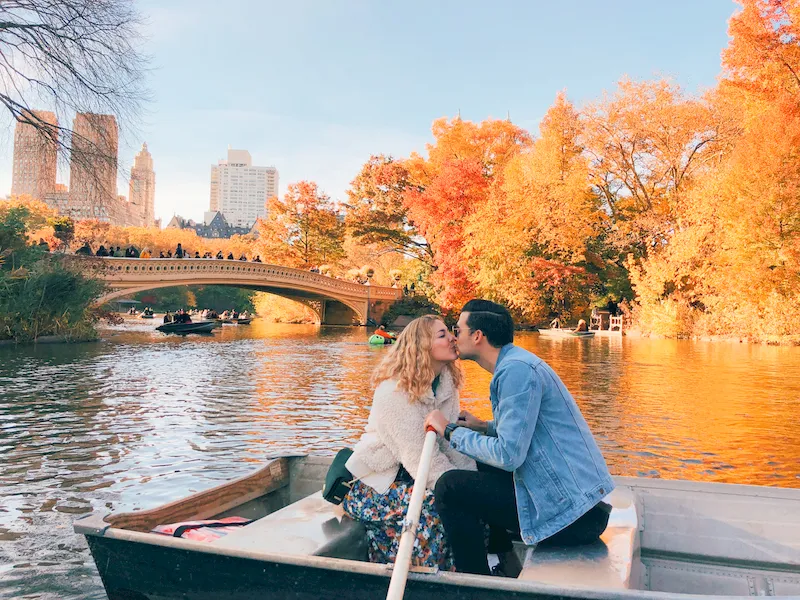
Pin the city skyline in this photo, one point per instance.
(355, 80)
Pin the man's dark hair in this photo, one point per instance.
(492, 319)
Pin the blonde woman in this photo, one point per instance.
(419, 374)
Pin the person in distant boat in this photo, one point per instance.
(555, 323)
(540, 471)
(381, 331)
(168, 317)
(581, 326)
(418, 374)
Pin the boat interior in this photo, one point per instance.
(669, 536)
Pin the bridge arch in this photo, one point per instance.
(325, 295)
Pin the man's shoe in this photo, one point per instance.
(497, 571)
(509, 564)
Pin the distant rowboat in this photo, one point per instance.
(566, 333)
(183, 328)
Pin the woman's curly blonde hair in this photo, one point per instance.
(409, 360)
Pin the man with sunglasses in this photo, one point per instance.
(540, 471)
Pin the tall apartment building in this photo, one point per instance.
(93, 167)
(143, 188)
(240, 190)
(35, 154)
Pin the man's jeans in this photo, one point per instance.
(466, 500)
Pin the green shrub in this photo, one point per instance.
(49, 298)
(412, 306)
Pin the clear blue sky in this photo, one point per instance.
(315, 87)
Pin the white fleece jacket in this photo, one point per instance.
(395, 434)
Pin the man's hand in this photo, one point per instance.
(470, 421)
(437, 420)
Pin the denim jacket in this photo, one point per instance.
(538, 432)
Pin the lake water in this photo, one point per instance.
(141, 418)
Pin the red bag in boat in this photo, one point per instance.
(202, 531)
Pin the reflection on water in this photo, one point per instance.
(142, 418)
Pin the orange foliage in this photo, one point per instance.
(463, 166)
(526, 244)
(302, 230)
(158, 240)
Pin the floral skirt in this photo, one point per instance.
(383, 515)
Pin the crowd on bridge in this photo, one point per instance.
(134, 252)
(180, 252)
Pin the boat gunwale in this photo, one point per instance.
(271, 477)
(719, 488)
(382, 570)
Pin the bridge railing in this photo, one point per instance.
(142, 270)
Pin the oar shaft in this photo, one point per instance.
(397, 586)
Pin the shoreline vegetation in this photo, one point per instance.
(42, 295)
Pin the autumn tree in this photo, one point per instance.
(376, 214)
(463, 165)
(647, 144)
(302, 230)
(763, 56)
(529, 243)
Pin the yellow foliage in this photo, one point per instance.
(282, 310)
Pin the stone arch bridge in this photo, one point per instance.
(334, 301)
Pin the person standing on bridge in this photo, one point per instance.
(179, 251)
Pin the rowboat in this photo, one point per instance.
(566, 333)
(245, 321)
(666, 540)
(183, 328)
(146, 316)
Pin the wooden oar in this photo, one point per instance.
(397, 586)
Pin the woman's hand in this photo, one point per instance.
(470, 421)
(437, 420)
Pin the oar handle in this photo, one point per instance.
(397, 586)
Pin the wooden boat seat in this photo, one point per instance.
(613, 562)
(311, 526)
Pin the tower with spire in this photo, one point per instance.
(143, 187)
